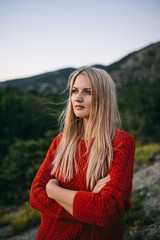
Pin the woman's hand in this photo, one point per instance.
(101, 183)
(50, 187)
(61, 195)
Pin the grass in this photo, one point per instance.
(5, 220)
(27, 218)
(146, 154)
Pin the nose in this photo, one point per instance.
(79, 97)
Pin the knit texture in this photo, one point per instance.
(95, 215)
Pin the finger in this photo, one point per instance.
(100, 184)
(104, 179)
(108, 176)
(98, 188)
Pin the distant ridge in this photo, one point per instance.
(46, 82)
(136, 69)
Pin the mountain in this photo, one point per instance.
(136, 69)
(55, 81)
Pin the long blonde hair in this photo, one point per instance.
(101, 123)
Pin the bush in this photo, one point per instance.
(5, 220)
(27, 218)
(147, 153)
(136, 216)
(20, 166)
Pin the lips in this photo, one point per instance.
(79, 107)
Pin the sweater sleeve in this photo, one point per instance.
(38, 197)
(114, 199)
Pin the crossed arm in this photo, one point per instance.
(65, 197)
(103, 205)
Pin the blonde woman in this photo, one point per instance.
(84, 185)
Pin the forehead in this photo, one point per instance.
(82, 81)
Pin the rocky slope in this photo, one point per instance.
(147, 181)
(136, 69)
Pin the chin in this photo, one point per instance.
(79, 115)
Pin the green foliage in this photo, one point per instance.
(140, 112)
(28, 124)
(26, 115)
(24, 218)
(136, 216)
(146, 153)
(27, 218)
(20, 166)
(5, 220)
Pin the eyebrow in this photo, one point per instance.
(84, 88)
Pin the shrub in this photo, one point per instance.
(136, 216)
(5, 220)
(146, 154)
(27, 218)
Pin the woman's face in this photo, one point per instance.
(81, 96)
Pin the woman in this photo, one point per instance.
(84, 185)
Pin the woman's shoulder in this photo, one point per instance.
(122, 137)
(56, 140)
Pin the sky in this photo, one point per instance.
(38, 36)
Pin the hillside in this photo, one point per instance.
(55, 81)
(136, 69)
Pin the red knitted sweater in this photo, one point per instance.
(95, 215)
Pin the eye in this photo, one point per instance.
(88, 92)
(74, 90)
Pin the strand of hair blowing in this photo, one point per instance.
(101, 124)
